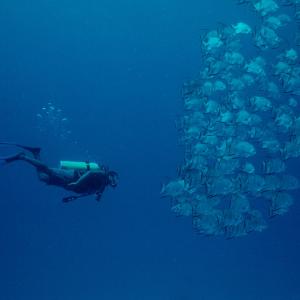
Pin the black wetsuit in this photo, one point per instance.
(81, 182)
(58, 177)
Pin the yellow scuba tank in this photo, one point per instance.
(78, 165)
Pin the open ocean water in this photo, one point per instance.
(101, 80)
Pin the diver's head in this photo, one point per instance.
(113, 178)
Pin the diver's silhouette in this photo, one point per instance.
(83, 178)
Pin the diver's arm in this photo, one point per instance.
(99, 193)
(81, 180)
(74, 197)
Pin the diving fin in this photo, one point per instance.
(12, 158)
(34, 150)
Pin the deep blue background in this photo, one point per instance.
(116, 68)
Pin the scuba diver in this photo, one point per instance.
(83, 178)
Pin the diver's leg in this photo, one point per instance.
(34, 150)
(40, 166)
(12, 158)
(44, 173)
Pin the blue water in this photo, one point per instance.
(116, 69)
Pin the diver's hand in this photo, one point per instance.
(69, 199)
(98, 196)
